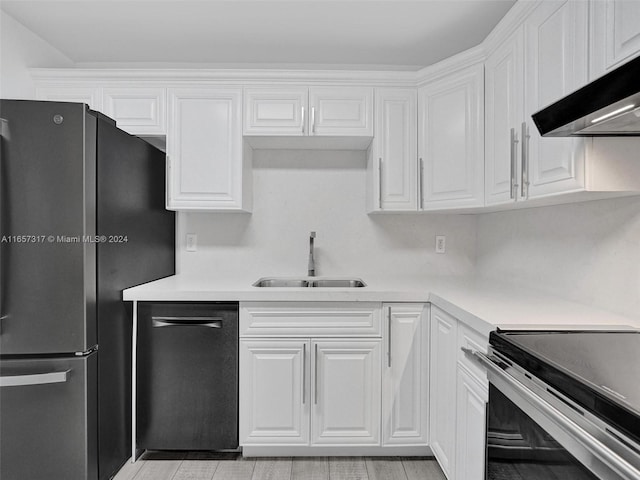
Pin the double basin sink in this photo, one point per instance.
(303, 282)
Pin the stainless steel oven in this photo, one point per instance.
(563, 405)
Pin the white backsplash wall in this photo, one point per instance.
(296, 192)
(588, 252)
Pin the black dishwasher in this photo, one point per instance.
(187, 376)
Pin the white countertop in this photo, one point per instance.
(482, 304)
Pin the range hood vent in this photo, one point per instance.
(608, 107)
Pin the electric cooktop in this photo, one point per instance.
(598, 370)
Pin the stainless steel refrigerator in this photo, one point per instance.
(82, 217)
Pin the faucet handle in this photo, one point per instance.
(312, 234)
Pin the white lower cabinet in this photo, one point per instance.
(274, 386)
(470, 426)
(346, 392)
(405, 375)
(443, 389)
(309, 380)
(458, 398)
(310, 392)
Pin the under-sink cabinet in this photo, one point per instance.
(312, 376)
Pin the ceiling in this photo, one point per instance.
(354, 34)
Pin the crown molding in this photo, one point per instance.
(451, 65)
(100, 76)
(514, 18)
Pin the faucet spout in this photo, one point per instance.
(311, 270)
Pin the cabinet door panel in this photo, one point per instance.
(139, 111)
(274, 392)
(346, 392)
(405, 376)
(615, 34)
(395, 150)
(451, 133)
(556, 65)
(503, 112)
(470, 427)
(341, 111)
(205, 149)
(276, 111)
(443, 389)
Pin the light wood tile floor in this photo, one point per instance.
(297, 468)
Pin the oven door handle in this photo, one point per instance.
(604, 453)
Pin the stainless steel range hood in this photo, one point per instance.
(608, 107)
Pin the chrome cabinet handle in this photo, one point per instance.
(34, 379)
(302, 119)
(514, 154)
(313, 120)
(315, 386)
(389, 337)
(421, 184)
(380, 183)
(524, 188)
(304, 373)
(209, 322)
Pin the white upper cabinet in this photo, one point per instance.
(341, 111)
(392, 159)
(137, 110)
(555, 65)
(405, 382)
(276, 111)
(615, 34)
(541, 62)
(205, 150)
(302, 111)
(503, 113)
(451, 141)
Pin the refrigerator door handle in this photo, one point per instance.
(209, 322)
(34, 379)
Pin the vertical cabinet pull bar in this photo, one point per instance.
(421, 185)
(514, 146)
(389, 337)
(302, 119)
(313, 120)
(315, 386)
(380, 183)
(304, 373)
(524, 188)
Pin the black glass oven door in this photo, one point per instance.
(519, 449)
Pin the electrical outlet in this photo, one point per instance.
(192, 242)
(441, 243)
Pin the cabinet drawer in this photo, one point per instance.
(471, 339)
(304, 319)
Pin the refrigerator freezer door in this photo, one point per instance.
(48, 282)
(48, 421)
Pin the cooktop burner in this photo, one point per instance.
(599, 370)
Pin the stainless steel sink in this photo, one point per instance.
(281, 282)
(338, 283)
(304, 282)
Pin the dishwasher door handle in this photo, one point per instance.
(208, 322)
